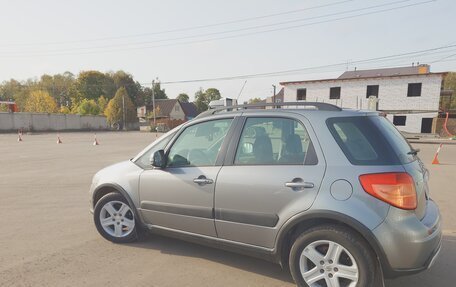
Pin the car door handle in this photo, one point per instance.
(299, 184)
(202, 180)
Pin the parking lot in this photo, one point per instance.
(48, 238)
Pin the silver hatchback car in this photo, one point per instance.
(337, 196)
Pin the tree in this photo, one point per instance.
(102, 104)
(93, 84)
(64, 110)
(123, 79)
(4, 108)
(114, 110)
(254, 100)
(183, 97)
(40, 102)
(88, 107)
(159, 94)
(449, 84)
(203, 98)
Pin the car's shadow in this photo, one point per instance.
(182, 248)
(441, 274)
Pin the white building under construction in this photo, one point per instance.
(409, 95)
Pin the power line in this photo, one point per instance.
(198, 27)
(68, 52)
(283, 72)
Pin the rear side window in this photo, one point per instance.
(370, 141)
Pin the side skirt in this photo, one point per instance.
(227, 245)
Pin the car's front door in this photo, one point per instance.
(275, 172)
(181, 195)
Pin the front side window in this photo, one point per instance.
(274, 141)
(144, 160)
(199, 144)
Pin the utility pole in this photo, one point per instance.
(274, 96)
(153, 101)
(123, 113)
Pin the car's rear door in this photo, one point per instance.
(273, 171)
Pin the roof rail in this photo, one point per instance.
(319, 106)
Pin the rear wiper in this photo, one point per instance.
(414, 151)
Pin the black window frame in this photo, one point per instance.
(302, 96)
(334, 93)
(400, 121)
(374, 88)
(414, 89)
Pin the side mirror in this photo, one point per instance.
(158, 159)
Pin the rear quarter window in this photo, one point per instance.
(369, 140)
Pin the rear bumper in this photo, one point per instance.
(410, 245)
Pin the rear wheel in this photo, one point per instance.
(331, 256)
(115, 219)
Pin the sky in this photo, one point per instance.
(177, 41)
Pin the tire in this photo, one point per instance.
(330, 254)
(115, 219)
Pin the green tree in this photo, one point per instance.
(134, 89)
(93, 84)
(183, 97)
(158, 91)
(203, 98)
(4, 108)
(40, 102)
(449, 84)
(88, 107)
(14, 90)
(114, 110)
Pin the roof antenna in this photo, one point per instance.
(240, 92)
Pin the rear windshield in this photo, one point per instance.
(371, 140)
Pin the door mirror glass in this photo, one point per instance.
(158, 159)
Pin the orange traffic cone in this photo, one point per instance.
(436, 157)
(59, 141)
(19, 136)
(95, 142)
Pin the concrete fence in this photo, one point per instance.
(50, 122)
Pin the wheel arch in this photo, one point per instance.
(297, 225)
(106, 188)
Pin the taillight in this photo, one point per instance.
(395, 188)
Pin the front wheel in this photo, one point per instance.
(332, 256)
(115, 219)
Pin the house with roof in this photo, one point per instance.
(410, 96)
(170, 112)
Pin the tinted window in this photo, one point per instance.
(199, 144)
(370, 140)
(399, 120)
(334, 93)
(274, 141)
(301, 94)
(372, 90)
(414, 90)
